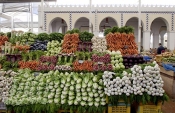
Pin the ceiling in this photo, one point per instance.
(22, 1)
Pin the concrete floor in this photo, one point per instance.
(169, 107)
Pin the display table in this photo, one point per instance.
(169, 81)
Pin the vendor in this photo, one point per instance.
(141, 49)
(160, 49)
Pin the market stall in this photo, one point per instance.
(77, 72)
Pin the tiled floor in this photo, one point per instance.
(169, 107)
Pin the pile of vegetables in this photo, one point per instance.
(70, 43)
(3, 39)
(56, 36)
(23, 48)
(122, 40)
(81, 65)
(147, 80)
(44, 67)
(16, 36)
(42, 37)
(6, 64)
(39, 45)
(28, 38)
(131, 60)
(86, 36)
(53, 48)
(139, 84)
(48, 59)
(85, 46)
(169, 60)
(77, 72)
(104, 58)
(33, 64)
(47, 63)
(99, 44)
(83, 55)
(13, 58)
(6, 78)
(116, 60)
(102, 62)
(30, 60)
(65, 59)
(54, 90)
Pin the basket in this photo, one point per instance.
(149, 108)
(120, 108)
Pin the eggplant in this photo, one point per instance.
(140, 60)
(126, 67)
(130, 60)
(125, 64)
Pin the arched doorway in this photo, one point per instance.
(58, 25)
(82, 24)
(159, 29)
(107, 22)
(134, 23)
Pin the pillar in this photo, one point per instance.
(162, 39)
(146, 40)
(96, 25)
(155, 40)
(171, 40)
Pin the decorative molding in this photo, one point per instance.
(45, 22)
(154, 12)
(158, 12)
(70, 21)
(96, 20)
(147, 21)
(109, 5)
(172, 22)
(121, 19)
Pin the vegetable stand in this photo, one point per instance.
(77, 72)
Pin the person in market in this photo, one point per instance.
(160, 49)
(141, 49)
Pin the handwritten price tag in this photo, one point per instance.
(80, 61)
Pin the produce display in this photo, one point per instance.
(140, 84)
(76, 72)
(54, 90)
(167, 54)
(85, 46)
(53, 48)
(28, 38)
(6, 80)
(39, 45)
(99, 44)
(3, 39)
(116, 60)
(131, 60)
(122, 39)
(70, 43)
(169, 60)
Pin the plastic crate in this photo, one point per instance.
(120, 108)
(63, 111)
(2, 106)
(149, 108)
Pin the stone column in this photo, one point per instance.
(155, 40)
(162, 39)
(171, 40)
(146, 40)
